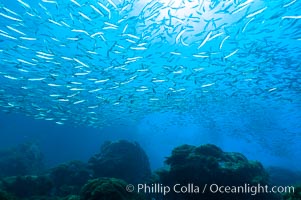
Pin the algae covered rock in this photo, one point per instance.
(71, 197)
(68, 178)
(121, 159)
(27, 186)
(107, 189)
(6, 196)
(296, 195)
(208, 164)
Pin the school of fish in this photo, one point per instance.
(102, 62)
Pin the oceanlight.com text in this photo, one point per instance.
(191, 188)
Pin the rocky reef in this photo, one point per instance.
(6, 196)
(68, 178)
(73, 180)
(296, 195)
(108, 189)
(208, 164)
(106, 176)
(123, 160)
(27, 186)
(24, 159)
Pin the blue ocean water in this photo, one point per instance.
(164, 73)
